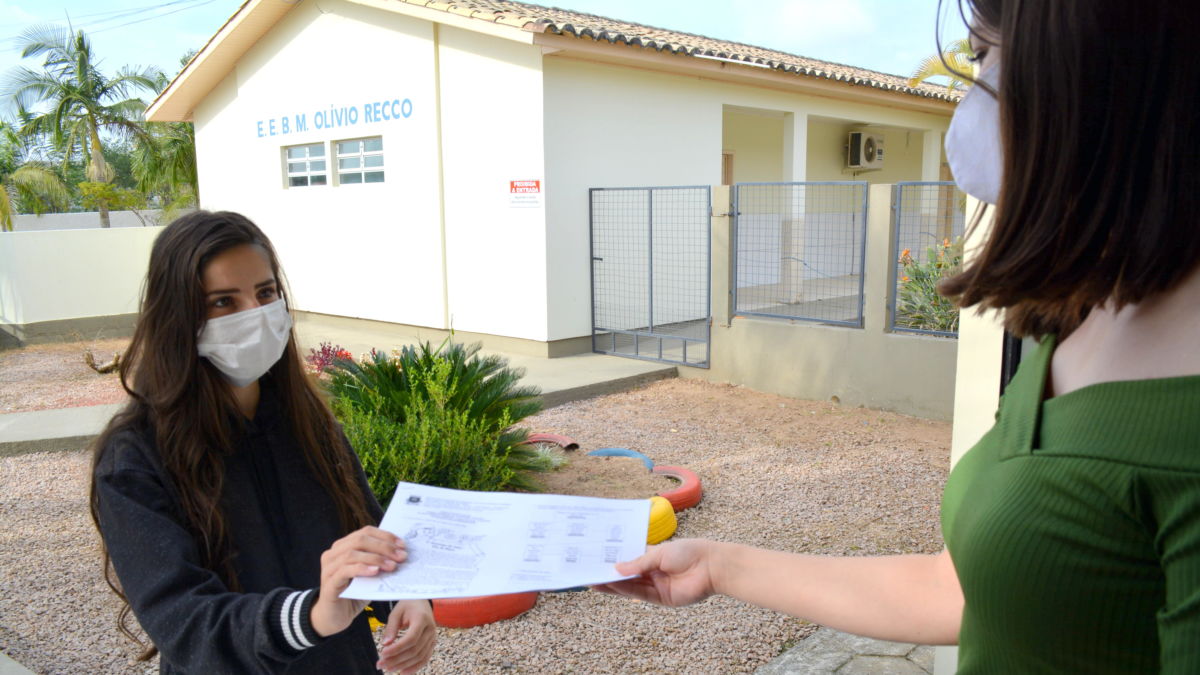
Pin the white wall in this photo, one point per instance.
(756, 139)
(614, 127)
(608, 126)
(70, 274)
(371, 251)
(903, 156)
(491, 135)
(27, 222)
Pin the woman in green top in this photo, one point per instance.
(1073, 526)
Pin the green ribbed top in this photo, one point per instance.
(1074, 526)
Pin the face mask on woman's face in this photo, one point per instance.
(973, 141)
(245, 345)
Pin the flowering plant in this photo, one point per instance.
(918, 303)
(319, 359)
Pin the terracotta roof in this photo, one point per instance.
(539, 19)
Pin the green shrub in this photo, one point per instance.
(918, 304)
(439, 417)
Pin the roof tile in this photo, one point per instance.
(539, 19)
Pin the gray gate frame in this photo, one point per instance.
(893, 289)
(862, 261)
(707, 341)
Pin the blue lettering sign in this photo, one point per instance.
(372, 112)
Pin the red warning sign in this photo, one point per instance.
(524, 187)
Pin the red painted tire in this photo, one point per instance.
(476, 611)
(564, 442)
(689, 491)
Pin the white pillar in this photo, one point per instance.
(795, 147)
(795, 169)
(976, 389)
(931, 155)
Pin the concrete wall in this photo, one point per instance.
(912, 374)
(903, 157)
(756, 139)
(88, 219)
(58, 281)
(977, 383)
(427, 246)
(367, 250)
(496, 250)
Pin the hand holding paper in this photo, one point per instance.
(463, 543)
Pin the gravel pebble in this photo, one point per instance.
(782, 473)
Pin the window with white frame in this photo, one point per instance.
(306, 165)
(360, 161)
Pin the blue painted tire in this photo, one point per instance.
(623, 452)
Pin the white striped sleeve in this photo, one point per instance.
(293, 618)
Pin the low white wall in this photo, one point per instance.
(70, 274)
(83, 220)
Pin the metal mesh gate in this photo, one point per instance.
(800, 250)
(928, 234)
(651, 273)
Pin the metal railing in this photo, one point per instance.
(927, 235)
(799, 250)
(651, 272)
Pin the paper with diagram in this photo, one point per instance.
(463, 543)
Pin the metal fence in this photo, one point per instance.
(799, 250)
(651, 273)
(928, 231)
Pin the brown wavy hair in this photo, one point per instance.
(189, 406)
(1098, 121)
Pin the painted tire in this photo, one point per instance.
(623, 452)
(476, 611)
(662, 521)
(689, 491)
(375, 623)
(564, 442)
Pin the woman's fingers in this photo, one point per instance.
(650, 560)
(371, 540)
(411, 650)
(363, 553)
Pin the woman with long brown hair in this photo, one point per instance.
(232, 510)
(1072, 527)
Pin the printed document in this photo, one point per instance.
(463, 543)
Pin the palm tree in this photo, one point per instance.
(31, 184)
(164, 160)
(952, 64)
(82, 102)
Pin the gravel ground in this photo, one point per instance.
(42, 377)
(793, 475)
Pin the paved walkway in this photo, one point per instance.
(562, 379)
(10, 667)
(831, 651)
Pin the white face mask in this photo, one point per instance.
(245, 345)
(973, 141)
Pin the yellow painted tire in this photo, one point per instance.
(662, 520)
(375, 623)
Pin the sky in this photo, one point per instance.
(890, 36)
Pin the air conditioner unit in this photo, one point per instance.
(864, 151)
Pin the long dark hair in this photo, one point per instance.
(189, 406)
(1099, 125)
